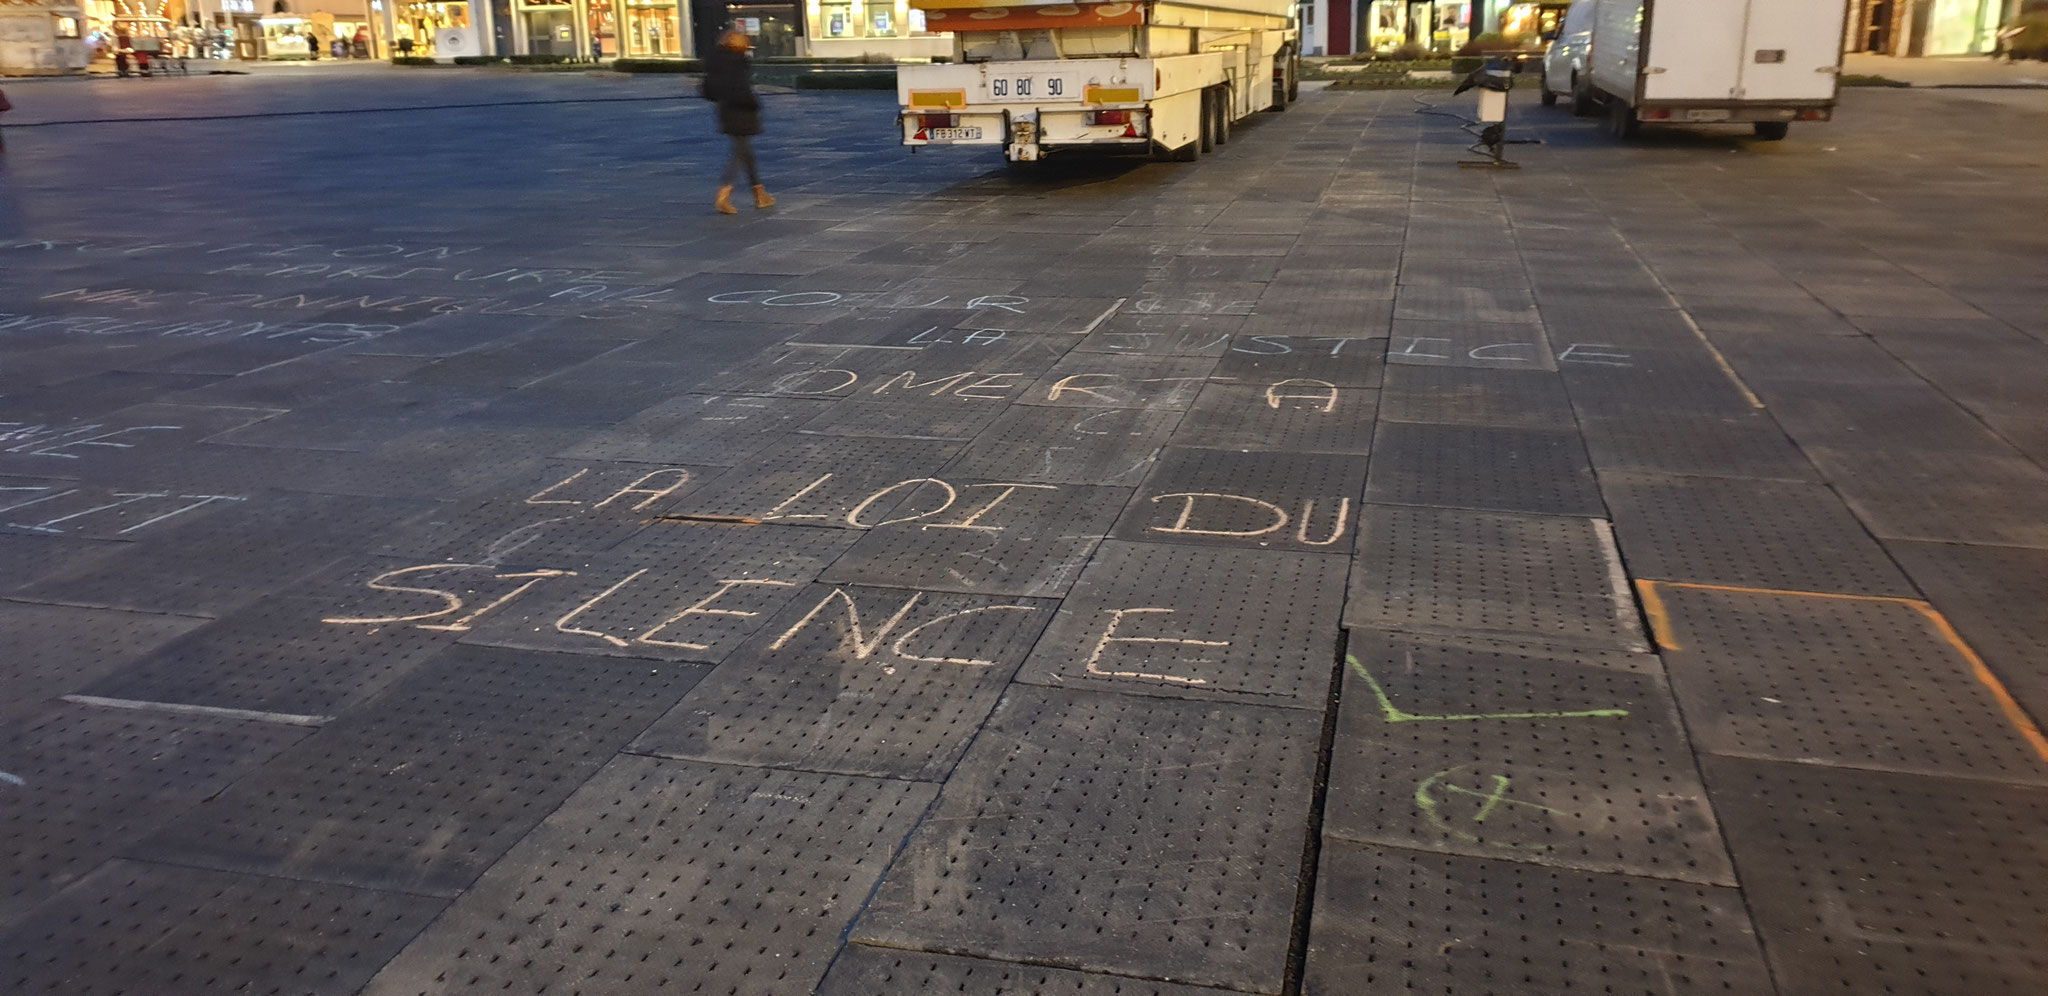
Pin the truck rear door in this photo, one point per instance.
(1792, 49)
(1695, 49)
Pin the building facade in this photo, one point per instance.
(1927, 27)
(42, 37)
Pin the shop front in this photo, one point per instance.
(857, 28)
(1926, 27)
(418, 20)
(549, 28)
(654, 29)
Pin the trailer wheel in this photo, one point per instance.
(1293, 76)
(1223, 116)
(1207, 132)
(1621, 120)
(1772, 131)
(1582, 100)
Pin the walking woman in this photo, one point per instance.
(729, 83)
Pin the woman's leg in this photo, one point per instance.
(743, 153)
(740, 153)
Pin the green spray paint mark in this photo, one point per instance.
(1394, 714)
(1427, 799)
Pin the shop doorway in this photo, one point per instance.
(551, 31)
(774, 27)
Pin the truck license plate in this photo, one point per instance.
(1707, 115)
(955, 134)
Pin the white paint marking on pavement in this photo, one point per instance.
(1617, 579)
(12, 779)
(183, 709)
(1099, 319)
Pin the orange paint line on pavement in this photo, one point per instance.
(1660, 617)
(2014, 714)
(1660, 624)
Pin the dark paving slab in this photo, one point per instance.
(841, 482)
(1530, 399)
(1480, 925)
(1482, 467)
(715, 834)
(1138, 866)
(1267, 360)
(1301, 415)
(1950, 496)
(1243, 625)
(1249, 500)
(1548, 579)
(31, 558)
(1095, 380)
(1744, 446)
(1867, 879)
(119, 440)
(60, 649)
(1523, 753)
(1144, 334)
(990, 537)
(1855, 682)
(214, 565)
(677, 592)
(861, 969)
(437, 777)
(1753, 534)
(1060, 446)
(133, 927)
(1990, 595)
(89, 781)
(234, 662)
(863, 681)
(706, 429)
(557, 510)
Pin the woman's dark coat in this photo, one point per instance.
(729, 83)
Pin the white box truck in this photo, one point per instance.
(1765, 63)
(1156, 76)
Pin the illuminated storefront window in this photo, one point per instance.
(418, 21)
(653, 28)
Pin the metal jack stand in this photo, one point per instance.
(1493, 81)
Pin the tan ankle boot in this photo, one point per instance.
(761, 198)
(724, 201)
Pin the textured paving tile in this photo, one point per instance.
(662, 867)
(1242, 625)
(89, 781)
(866, 681)
(1520, 752)
(1857, 682)
(1403, 921)
(1247, 499)
(1754, 534)
(60, 649)
(1139, 853)
(135, 927)
(1868, 879)
(424, 787)
(1482, 467)
(861, 970)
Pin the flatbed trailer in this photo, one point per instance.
(1170, 78)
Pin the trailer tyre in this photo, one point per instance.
(1621, 120)
(1207, 131)
(1223, 116)
(1293, 77)
(1772, 131)
(1582, 100)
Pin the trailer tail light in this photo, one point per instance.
(1109, 117)
(1814, 114)
(925, 121)
(1654, 114)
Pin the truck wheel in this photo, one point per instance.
(1208, 129)
(1293, 77)
(1772, 131)
(1223, 116)
(1621, 120)
(1582, 100)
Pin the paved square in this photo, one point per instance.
(439, 553)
